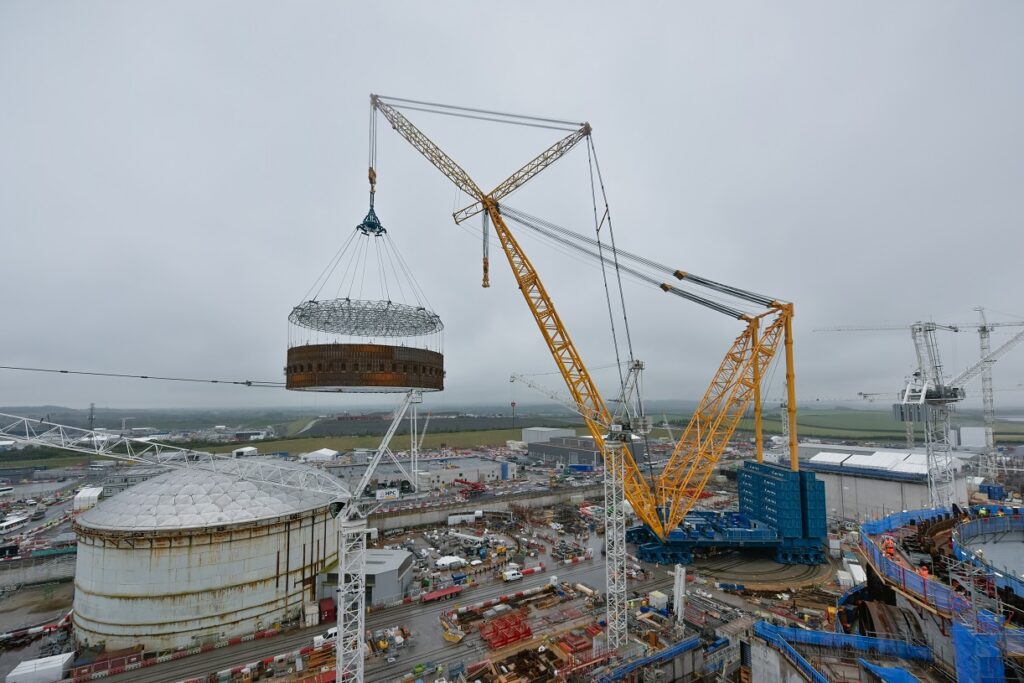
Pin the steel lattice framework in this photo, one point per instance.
(360, 318)
(121, 447)
(350, 510)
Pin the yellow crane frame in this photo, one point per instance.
(661, 504)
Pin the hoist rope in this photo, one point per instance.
(604, 277)
(560, 235)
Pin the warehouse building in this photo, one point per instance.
(194, 556)
(434, 473)
(388, 575)
(122, 478)
(542, 434)
(862, 486)
(567, 451)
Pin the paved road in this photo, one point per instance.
(422, 619)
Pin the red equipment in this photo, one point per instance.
(471, 489)
(441, 594)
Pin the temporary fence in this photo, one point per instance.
(889, 674)
(901, 519)
(927, 590)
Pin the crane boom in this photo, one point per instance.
(427, 148)
(973, 371)
(581, 386)
(715, 420)
(524, 174)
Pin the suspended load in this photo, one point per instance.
(376, 334)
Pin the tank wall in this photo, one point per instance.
(168, 590)
(337, 367)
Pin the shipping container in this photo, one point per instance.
(43, 670)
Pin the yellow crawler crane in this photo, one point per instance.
(661, 504)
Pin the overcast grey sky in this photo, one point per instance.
(173, 176)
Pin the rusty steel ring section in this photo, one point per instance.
(366, 318)
(363, 368)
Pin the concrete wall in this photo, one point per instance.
(936, 631)
(37, 570)
(857, 498)
(439, 515)
(768, 666)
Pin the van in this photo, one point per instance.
(511, 575)
(327, 637)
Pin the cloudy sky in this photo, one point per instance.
(174, 176)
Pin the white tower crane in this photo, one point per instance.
(994, 465)
(628, 420)
(348, 507)
(928, 396)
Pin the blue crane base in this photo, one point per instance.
(779, 509)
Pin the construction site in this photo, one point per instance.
(648, 564)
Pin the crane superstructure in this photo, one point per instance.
(660, 504)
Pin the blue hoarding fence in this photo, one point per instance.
(889, 674)
(901, 519)
(657, 658)
(838, 641)
(928, 590)
(978, 658)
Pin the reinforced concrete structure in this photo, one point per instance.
(193, 556)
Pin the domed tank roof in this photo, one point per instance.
(196, 498)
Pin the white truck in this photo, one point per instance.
(511, 575)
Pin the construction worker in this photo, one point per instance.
(983, 512)
(922, 571)
(1000, 513)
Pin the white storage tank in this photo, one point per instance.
(193, 556)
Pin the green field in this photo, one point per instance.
(863, 425)
(49, 463)
(495, 437)
(823, 423)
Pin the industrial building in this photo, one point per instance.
(121, 478)
(575, 451)
(433, 473)
(864, 486)
(194, 556)
(388, 575)
(543, 434)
